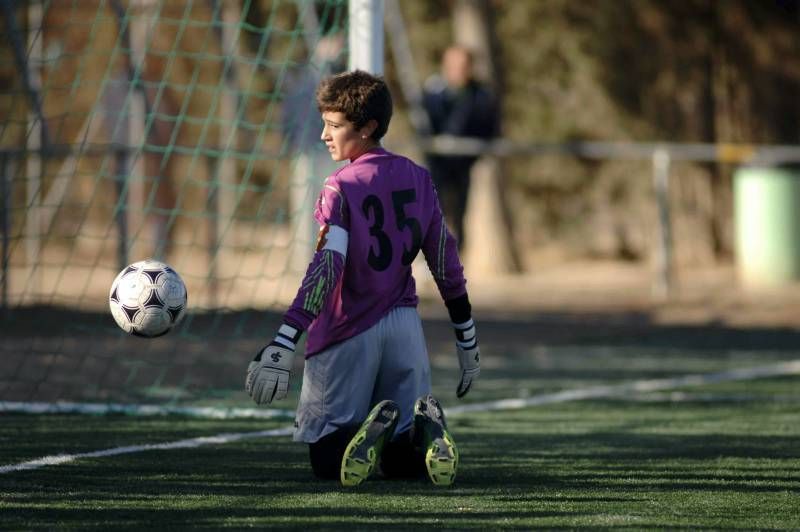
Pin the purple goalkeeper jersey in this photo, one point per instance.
(388, 206)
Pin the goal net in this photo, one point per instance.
(181, 130)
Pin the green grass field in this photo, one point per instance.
(695, 464)
(721, 455)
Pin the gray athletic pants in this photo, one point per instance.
(342, 383)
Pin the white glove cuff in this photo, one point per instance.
(288, 336)
(465, 334)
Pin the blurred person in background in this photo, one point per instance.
(458, 105)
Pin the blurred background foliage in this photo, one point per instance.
(630, 70)
(611, 70)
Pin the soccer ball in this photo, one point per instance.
(147, 298)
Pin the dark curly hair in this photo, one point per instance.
(358, 95)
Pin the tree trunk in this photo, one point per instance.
(490, 248)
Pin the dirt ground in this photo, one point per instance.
(262, 279)
(57, 352)
(709, 295)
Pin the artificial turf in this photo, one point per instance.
(721, 456)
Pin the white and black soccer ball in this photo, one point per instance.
(147, 298)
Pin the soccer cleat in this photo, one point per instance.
(364, 450)
(441, 453)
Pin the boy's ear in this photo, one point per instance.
(369, 128)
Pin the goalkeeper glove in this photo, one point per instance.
(469, 359)
(268, 374)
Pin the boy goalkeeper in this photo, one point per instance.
(365, 400)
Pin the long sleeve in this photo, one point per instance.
(322, 276)
(441, 254)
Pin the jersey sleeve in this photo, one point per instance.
(321, 278)
(331, 207)
(441, 253)
(327, 265)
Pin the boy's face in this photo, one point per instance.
(342, 138)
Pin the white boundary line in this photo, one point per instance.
(595, 392)
(209, 412)
(180, 444)
(644, 386)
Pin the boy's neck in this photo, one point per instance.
(367, 150)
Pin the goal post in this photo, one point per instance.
(366, 36)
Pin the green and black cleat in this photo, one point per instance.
(364, 450)
(441, 453)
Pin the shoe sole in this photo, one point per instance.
(361, 455)
(441, 460)
(441, 455)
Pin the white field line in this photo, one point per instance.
(595, 392)
(686, 397)
(634, 387)
(180, 444)
(207, 412)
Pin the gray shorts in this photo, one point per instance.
(342, 383)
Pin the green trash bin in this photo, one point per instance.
(767, 222)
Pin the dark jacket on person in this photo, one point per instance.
(466, 112)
